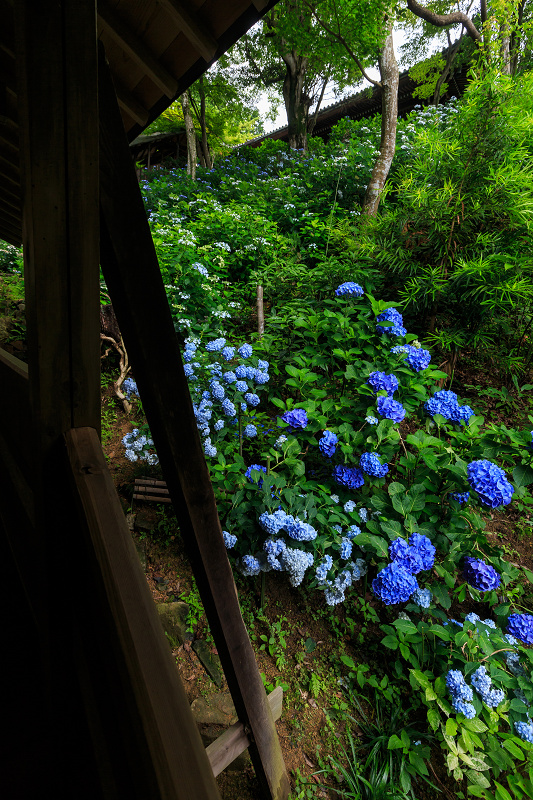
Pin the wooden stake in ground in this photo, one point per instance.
(260, 312)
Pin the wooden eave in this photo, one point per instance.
(155, 48)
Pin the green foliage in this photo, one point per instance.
(458, 217)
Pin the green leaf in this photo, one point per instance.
(478, 779)
(441, 596)
(522, 476)
(310, 645)
(433, 718)
(391, 642)
(421, 678)
(405, 626)
(513, 749)
(394, 743)
(451, 727)
(441, 632)
(452, 761)
(475, 725)
(501, 792)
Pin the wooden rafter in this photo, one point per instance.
(192, 28)
(131, 44)
(131, 105)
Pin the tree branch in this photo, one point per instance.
(341, 40)
(442, 20)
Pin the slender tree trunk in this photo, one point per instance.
(312, 122)
(388, 68)
(296, 101)
(191, 135)
(450, 58)
(203, 127)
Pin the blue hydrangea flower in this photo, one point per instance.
(328, 443)
(482, 683)
(250, 431)
(245, 351)
(525, 730)
(219, 424)
(406, 557)
(215, 345)
(261, 377)
(353, 531)
(370, 463)
(263, 365)
(351, 477)
(279, 441)
(301, 531)
(425, 549)
(457, 686)
(447, 405)
(250, 566)
(521, 627)
(417, 358)
(460, 497)
(273, 549)
(274, 523)
(393, 316)
(297, 418)
(259, 468)
(241, 372)
(345, 550)
(490, 483)
(323, 568)
(349, 288)
(229, 377)
(380, 381)
(372, 420)
(363, 513)
(228, 408)
(480, 575)
(230, 540)
(390, 409)
(209, 449)
(394, 584)
(241, 386)
(422, 597)
(228, 353)
(349, 506)
(335, 498)
(252, 399)
(188, 370)
(217, 390)
(462, 707)
(296, 562)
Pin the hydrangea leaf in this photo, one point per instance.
(441, 596)
(522, 476)
(433, 718)
(475, 725)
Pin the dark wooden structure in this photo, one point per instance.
(98, 710)
(151, 150)
(367, 103)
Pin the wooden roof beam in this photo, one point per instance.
(131, 105)
(192, 28)
(131, 44)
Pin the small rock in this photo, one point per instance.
(210, 662)
(144, 522)
(216, 709)
(173, 617)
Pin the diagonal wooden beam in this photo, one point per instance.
(192, 28)
(131, 105)
(134, 46)
(133, 277)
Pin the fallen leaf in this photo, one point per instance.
(308, 761)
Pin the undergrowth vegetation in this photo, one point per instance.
(338, 453)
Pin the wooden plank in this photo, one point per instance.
(176, 751)
(60, 219)
(195, 32)
(234, 741)
(132, 106)
(131, 44)
(15, 411)
(135, 285)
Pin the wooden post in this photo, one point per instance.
(260, 312)
(134, 281)
(56, 56)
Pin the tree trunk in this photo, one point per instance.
(312, 122)
(450, 58)
(203, 128)
(297, 103)
(388, 68)
(191, 135)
